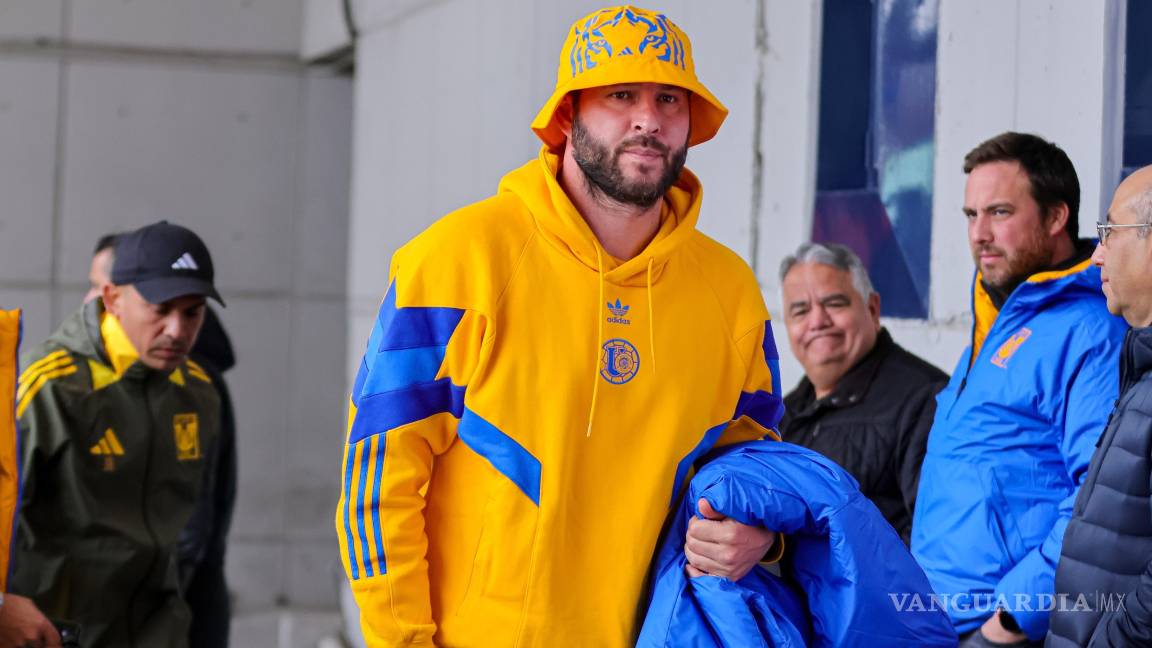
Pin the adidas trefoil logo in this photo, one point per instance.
(185, 262)
(618, 310)
(108, 447)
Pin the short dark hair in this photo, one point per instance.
(1050, 172)
(106, 242)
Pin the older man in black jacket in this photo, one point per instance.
(864, 401)
(1104, 578)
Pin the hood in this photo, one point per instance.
(1078, 281)
(1035, 293)
(535, 184)
(80, 332)
(213, 345)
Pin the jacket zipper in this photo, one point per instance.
(144, 516)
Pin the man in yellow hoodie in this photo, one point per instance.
(549, 364)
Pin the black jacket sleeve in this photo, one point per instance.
(916, 424)
(207, 593)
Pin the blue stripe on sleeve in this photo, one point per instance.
(774, 367)
(381, 441)
(503, 452)
(358, 386)
(770, 352)
(406, 328)
(706, 443)
(402, 368)
(396, 384)
(373, 344)
(349, 539)
(382, 412)
(772, 357)
(365, 454)
(763, 407)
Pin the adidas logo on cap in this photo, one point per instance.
(185, 262)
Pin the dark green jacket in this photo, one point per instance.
(112, 468)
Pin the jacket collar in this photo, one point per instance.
(1065, 281)
(105, 341)
(1082, 254)
(1137, 357)
(853, 385)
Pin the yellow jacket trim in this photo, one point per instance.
(40, 380)
(119, 348)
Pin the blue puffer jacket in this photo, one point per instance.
(851, 581)
(1013, 435)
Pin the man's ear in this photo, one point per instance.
(110, 294)
(1057, 219)
(874, 308)
(565, 114)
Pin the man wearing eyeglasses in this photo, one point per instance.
(1104, 580)
(1016, 426)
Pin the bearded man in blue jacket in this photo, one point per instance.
(1017, 424)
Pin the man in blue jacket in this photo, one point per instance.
(1104, 580)
(1016, 426)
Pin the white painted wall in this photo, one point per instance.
(324, 29)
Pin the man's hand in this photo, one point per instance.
(720, 546)
(994, 632)
(22, 625)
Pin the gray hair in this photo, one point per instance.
(835, 255)
(1141, 205)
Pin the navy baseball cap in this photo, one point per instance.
(164, 261)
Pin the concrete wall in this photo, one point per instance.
(446, 89)
(114, 114)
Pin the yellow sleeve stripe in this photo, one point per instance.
(34, 386)
(33, 376)
(36, 366)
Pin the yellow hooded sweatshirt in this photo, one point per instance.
(528, 410)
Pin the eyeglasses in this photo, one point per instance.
(1104, 229)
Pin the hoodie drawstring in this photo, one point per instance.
(599, 341)
(651, 319)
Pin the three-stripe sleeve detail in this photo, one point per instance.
(54, 365)
(395, 386)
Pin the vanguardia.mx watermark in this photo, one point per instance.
(989, 602)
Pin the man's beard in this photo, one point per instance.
(1026, 261)
(603, 174)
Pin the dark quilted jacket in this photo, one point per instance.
(1104, 579)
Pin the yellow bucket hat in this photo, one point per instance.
(629, 45)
